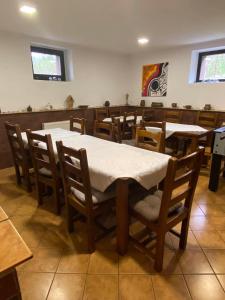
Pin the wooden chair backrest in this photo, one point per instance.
(117, 130)
(173, 116)
(75, 171)
(130, 114)
(42, 153)
(101, 113)
(114, 112)
(16, 143)
(148, 114)
(78, 125)
(153, 141)
(207, 119)
(103, 130)
(160, 125)
(179, 185)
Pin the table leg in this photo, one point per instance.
(122, 215)
(194, 144)
(215, 172)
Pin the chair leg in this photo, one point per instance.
(90, 234)
(18, 175)
(159, 252)
(56, 195)
(27, 180)
(184, 234)
(39, 188)
(69, 217)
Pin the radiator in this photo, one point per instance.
(60, 124)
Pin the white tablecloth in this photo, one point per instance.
(171, 128)
(56, 133)
(109, 161)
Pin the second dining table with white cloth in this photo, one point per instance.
(111, 162)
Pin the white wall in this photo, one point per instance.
(98, 76)
(179, 89)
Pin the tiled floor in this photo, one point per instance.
(61, 268)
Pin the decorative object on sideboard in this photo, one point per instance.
(188, 106)
(142, 103)
(48, 106)
(157, 104)
(174, 105)
(29, 108)
(69, 102)
(107, 103)
(127, 99)
(207, 107)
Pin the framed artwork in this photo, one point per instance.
(154, 80)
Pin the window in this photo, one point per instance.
(211, 66)
(48, 64)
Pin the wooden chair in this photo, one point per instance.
(45, 167)
(101, 113)
(115, 112)
(129, 120)
(148, 114)
(117, 130)
(163, 210)
(173, 116)
(78, 125)
(104, 130)
(153, 141)
(21, 156)
(80, 198)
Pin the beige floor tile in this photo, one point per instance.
(32, 236)
(222, 235)
(104, 287)
(44, 260)
(191, 242)
(103, 262)
(213, 209)
(221, 279)
(193, 261)
(200, 223)
(170, 287)
(55, 238)
(196, 210)
(216, 258)
(170, 262)
(209, 239)
(204, 287)
(67, 287)
(21, 222)
(138, 287)
(73, 262)
(218, 222)
(134, 262)
(35, 286)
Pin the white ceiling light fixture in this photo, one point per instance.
(27, 9)
(143, 41)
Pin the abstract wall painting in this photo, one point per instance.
(154, 80)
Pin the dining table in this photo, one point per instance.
(116, 164)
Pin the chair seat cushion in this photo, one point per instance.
(97, 197)
(149, 207)
(129, 142)
(45, 172)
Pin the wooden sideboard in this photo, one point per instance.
(34, 120)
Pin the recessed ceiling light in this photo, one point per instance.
(30, 10)
(143, 41)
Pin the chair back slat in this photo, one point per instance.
(180, 183)
(75, 172)
(16, 143)
(114, 112)
(101, 113)
(42, 153)
(148, 114)
(117, 130)
(78, 125)
(104, 130)
(148, 140)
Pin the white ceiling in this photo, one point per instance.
(116, 24)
